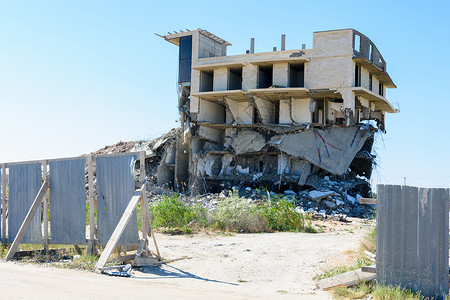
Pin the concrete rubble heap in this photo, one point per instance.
(299, 120)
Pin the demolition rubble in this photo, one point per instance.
(298, 122)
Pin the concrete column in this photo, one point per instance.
(220, 79)
(249, 77)
(281, 74)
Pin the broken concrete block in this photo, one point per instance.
(332, 150)
(210, 134)
(317, 195)
(241, 170)
(248, 141)
(290, 193)
(351, 199)
(226, 161)
(329, 203)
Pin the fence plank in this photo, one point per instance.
(68, 201)
(115, 187)
(24, 184)
(112, 242)
(27, 221)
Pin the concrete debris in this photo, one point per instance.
(317, 195)
(332, 150)
(248, 142)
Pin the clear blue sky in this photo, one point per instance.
(78, 75)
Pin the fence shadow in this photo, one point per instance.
(166, 271)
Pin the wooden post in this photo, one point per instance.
(23, 228)
(4, 203)
(91, 244)
(152, 233)
(144, 198)
(117, 233)
(45, 203)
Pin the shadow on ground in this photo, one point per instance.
(166, 271)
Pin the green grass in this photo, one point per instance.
(231, 214)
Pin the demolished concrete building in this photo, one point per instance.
(275, 119)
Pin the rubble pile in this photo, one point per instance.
(336, 197)
(322, 193)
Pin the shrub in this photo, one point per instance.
(281, 215)
(172, 212)
(237, 214)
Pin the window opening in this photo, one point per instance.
(235, 79)
(357, 75)
(296, 75)
(206, 81)
(265, 76)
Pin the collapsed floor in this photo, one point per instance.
(285, 162)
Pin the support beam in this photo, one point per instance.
(4, 203)
(143, 201)
(117, 233)
(26, 223)
(152, 233)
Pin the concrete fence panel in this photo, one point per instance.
(68, 201)
(412, 239)
(24, 184)
(115, 187)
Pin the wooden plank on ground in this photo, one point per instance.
(26, 223)
(125, 258)
(141, 261)
(367, 201)
(117, 233)
(369, 269)
(345, 279)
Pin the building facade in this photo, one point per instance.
(276, 118)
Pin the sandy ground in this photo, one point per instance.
(242, 266)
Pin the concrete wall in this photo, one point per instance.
(208, 47)
(249, 77)
(285, 112)
(242, 112)
(300, 110)
(281, 74)
(211, 112)
(266, 110)
(331, 43)
(220, 79)
(375, 85)
(329, 73)
(365, 78)
(412, 239)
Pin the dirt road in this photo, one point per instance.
(244, 266)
